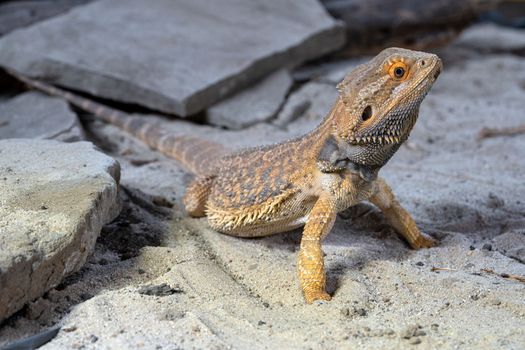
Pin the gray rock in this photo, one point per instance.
(330, 73)
(174, 56)
(339, 70)
(257, 104)
(511, 244)
(311, 101)
(35, 115)
(54, 199)
(16, 14)
(490, 37)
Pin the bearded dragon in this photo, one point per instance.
(305, 181)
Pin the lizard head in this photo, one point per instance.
(379, 103)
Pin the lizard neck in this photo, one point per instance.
(330, 153)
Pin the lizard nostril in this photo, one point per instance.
(367, 113)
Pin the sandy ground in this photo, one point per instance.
(159, 280)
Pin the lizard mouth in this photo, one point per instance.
(381, 140)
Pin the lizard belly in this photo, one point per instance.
(276, 215)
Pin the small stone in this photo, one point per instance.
(159, 290)
(494, 201)
(345, 311)
(472, 247)
(412, 331)
(414, 341)
(420, 333)
(265, 304)
(93, 338)
(360, 312)
(85, 296)
(434, 326)
(487, 246)
(389, 332)
(261, 323)
(69, 329)
(420, 263)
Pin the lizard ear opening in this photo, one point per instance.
(367, 113)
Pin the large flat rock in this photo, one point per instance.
(54, 199)
(256, 104)
(174, 56)
(35, 115)
(312, 101)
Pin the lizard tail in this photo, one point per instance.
(195, 154)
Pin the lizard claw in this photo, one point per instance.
(424, 241)
(311, 296)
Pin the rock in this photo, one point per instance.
(35, 341)
(329, 73)
(490, 37)
(487, 246)
(495, 202)
(174, 56)
(373, 25)
(511, 244)
(35, 115)
(311, 101)
(54, 199)
(338, 71)
(16, 14)
(159, 290)
(256, 104)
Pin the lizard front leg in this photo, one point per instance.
(311, 262)
(399, 218)
(196, 196)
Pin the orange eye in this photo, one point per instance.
(398, 71)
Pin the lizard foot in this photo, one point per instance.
(313, 295)
(424, 241)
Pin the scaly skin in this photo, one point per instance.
(306, 181)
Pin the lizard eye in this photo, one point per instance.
(367, 113)
(398, 71)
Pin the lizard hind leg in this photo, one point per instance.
(196, 196)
